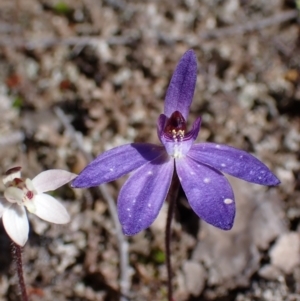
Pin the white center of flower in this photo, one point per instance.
(177, 154)
(20, 192)
(178, 138)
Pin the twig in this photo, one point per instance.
(122, 241)
(71, 41)
(250, 26)
(127, 40)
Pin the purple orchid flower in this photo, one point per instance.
(198, 166)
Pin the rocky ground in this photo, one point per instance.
(104, 66)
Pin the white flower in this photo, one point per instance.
(20, 193)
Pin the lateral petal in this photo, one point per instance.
(1, 207)
(116, 162)
(49, 209)
(182, 86)
(143, 194)
(233, 161)
(52, 179)
(208, 192)
(4, 204)
(161, 122)
(16, 224)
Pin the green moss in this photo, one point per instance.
(18, 102)
(61, 8)
(159, 256)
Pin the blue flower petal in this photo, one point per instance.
(208, 192)
(143, 194)
(181, 88)
(234, 162)
(117, 162)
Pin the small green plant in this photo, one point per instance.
(61, 8)
(17, 103)
(159, 256)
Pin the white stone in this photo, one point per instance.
(195, 277)
(285, 253)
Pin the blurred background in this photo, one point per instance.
(99, 70)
